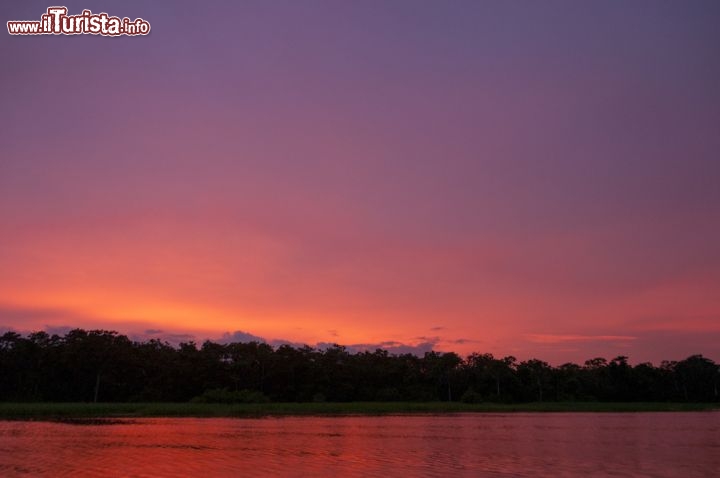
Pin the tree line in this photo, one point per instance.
(101, 365)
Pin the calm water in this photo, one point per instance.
(571, 444)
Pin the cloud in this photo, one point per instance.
(566, 338)
(58, 329)
(677, 323)
(7, 328)
(171, 338)
(178, 338)
(424, 338)
(677, 344)
(391, 346)
(34, 315)
(55, 320)
(463, 341)
(239, 336)
(275, 343)
(437, 329)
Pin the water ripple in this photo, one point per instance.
(538, 445)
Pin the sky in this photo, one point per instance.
(536, 179)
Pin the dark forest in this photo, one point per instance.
(99, 365)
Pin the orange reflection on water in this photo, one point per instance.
(570, 444)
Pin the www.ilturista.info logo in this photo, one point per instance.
(57, 22)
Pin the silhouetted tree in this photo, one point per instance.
(101, 365)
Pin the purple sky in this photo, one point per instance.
(526, 178)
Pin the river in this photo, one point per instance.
(520, 444)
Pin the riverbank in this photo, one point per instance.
(45, 411)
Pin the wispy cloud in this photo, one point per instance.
(33, 315)
(569, 338)
(463, 341)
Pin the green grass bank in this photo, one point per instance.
(59, 411)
